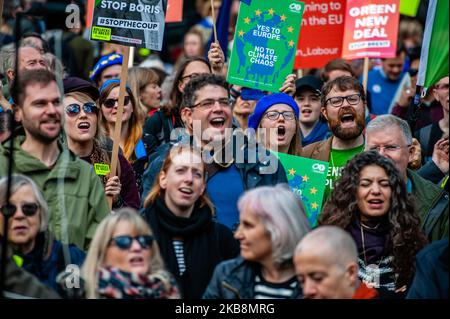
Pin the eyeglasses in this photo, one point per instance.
(75, 109)
(388, 148)
(28, 209)
(274, 115)
(110, 103)
(337, 101)
(125, 242)
(192, 75)
(442, 87)
(209, 103)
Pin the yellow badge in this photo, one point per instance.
(101, 169)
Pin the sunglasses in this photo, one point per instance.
(413, 72)
(28, 209)
(110, 103)
(125, 242)
(75, 109)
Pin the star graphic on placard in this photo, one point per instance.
(271, 11)
(291, 43)
(241, 33)
(313, 191)
(304, 178)
(258, 12)
(314, 205)
(283, 17)
(292, 172)
(247, 20)
(290, 29)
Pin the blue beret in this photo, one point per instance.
(105, 62)
(266, 102)
(109, 82)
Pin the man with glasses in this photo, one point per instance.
(206, 110)
(343, 106)
(392, 137)
(73, 192)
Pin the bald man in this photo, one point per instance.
(326, 264)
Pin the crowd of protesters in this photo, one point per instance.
(200, 206)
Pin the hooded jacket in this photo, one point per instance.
(74, 194)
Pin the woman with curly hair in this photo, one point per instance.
(371, 202)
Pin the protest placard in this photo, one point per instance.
(138, 23)
(306, 178)
(174, 11)
(409, 7)
(265, 43)
(371, 28)
(321, 33)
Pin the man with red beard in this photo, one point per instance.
(73, 192)
(343, 105)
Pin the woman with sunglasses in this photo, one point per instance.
(181, 215)
(33, 244)
(123, 261)
(275, 121)
(131, 132)
(85, 139)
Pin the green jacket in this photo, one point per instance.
(432, 206)
(71, 189)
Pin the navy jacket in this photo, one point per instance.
(431, 279)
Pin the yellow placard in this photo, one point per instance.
(100, 33)
(101, 169)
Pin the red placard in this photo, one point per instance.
(174, 11)
(371, 28)
(321, 33)
(89, 11)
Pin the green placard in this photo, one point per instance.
(306, 178)
(409, 7)
(101, 169)
(265, 43)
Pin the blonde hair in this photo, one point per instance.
(138, 79)
(97, 251)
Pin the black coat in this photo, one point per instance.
(205, 242)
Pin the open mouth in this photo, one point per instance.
(375, 203)
(306, 111)
(347, 118)
(84, 125)
(137, 261)
(281, 131)
(217, 122)
(186, 190)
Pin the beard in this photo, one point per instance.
(37, 134)
(348, 133)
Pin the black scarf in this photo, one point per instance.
(200, 240)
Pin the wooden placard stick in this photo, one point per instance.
(1, 12)
(118, 125)
(214, 21)
(365, 73)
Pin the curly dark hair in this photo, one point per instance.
(406, 236)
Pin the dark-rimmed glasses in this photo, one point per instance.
(275, 115)
(125, 242)
(337, 101)
(75, 109)
(110, 103)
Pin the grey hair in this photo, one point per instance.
(8, 57)
(282, 214)
(332, 243)
(382, 122)
(18, 181)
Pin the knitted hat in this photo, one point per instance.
(105, 62)
(266, 102)
(109, 82)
